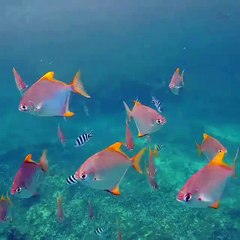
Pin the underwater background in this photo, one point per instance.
(126, 50)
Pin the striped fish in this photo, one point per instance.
(82, 139)
(71, 180)
(99, 231)
(157, 104)
(158, 147)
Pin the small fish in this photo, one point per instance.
(71, 180)
(50, 97)
(5, 212)
(176, 82)
(28, 177)
(82, 139)
(61, 136)
(21, 85)
(159, 147)
(129, 138)
(106, 169)
(60, 214)
(99, 231)
(157, 104)
(205, 188)
(210, 147)
(146, 119)
(151, 171)
(90, 210)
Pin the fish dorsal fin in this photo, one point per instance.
(116, 147)
(205, 136)
(178, 70)
(48, 76)
(28, 158)
(218, 160)
(137, 103)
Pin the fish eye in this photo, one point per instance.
(187, 197)
(219, 150)
(83, 176)
(159, 121)
(18, 190)
(23, 107)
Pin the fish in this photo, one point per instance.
(61, 136)
(28, 177)
(5, 208)
(129, 138)
(99, 231)
(60, 214)
(21, 85)
(83, 138)
(106, 169)
(147, 120)
(71, 180)
(49, 97)
(151, 171)
(157, 104)
(205, 188)
(90, 210)
(210, 147)
(176, 82)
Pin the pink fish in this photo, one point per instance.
(129, 138)
(60, 214)
(146, 119)
(61, 135)
(205, 188)
(50, 97)
(176, 82)
(27, 179)
(210, 147)
(90, 209)
(21, 85)
(151, 171)
(106, 169)
(5, 212)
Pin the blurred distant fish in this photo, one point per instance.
(5, 212)
(86, 110)
(147, 120)
(129, 138)
(90, 210)
(176, 82)
(210, 147)
(27, 179)
(99, 231)
(82, 139)
(21, 85)
(61, 135)
(60, 214)
(50, 97)
(119, 236)
(157, 104)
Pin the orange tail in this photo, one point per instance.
(77, 86)
(43, 161)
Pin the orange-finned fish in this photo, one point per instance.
(21, 85)
(90, 210)
(119, 236)
(176, 82)
(50, 97)
(129, 138)
(28, 177)
(61, 135)
(60, 214)
(205, 188)
(106, 169)
(210, 147)
(151, 171)
(146, 119)
(5, 212)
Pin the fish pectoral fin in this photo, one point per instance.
(68, 114)
(115, 190)
(215, 205)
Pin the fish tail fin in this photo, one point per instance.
(128, 111)
(199, 149)
(77, 86)
(234, 162)
(182, 75)
(136, 160)
(90, 134)
(43, 161)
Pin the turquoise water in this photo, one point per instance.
(125, 50)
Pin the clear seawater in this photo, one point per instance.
(125, 50)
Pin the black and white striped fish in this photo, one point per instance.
(71, 180)
(99, 231)
(158, 147)
(82, 139)
(157, 104)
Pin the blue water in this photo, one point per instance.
(125, 50)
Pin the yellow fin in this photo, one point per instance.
(205, 136)
(48, 76)
(178, 70)
(115, 190)
(28, 158)
(116, 147)
(68, 114)
(218, 160)
(137, 103)
(215, 205)
(3, 198)
(141, 135)
(136, 160)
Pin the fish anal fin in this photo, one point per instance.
(218, 161)
(115, 191)
(48, 76)
(68, 114)
(215, 205)
(141, 134)
(28, 158)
